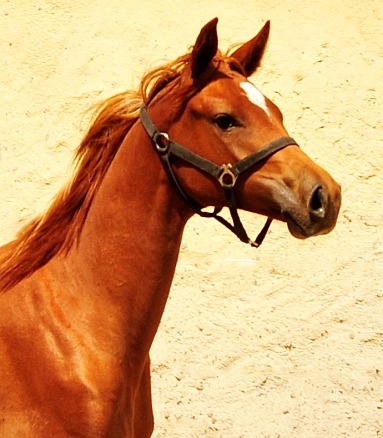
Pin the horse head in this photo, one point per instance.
(218, 114)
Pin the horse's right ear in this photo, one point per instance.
(250, 54)
(204, 49)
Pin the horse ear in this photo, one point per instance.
(250, 54)
(204, 49)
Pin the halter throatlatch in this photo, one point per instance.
(226, 174)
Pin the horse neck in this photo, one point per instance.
(128, 248)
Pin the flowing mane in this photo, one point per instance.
(59, 227)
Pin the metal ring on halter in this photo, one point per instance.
(227, 177)
(162, 142)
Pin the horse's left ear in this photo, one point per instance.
(204, 49)
(250, 54)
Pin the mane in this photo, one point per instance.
(59, 227)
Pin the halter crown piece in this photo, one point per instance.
(226, 174)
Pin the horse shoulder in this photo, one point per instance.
(61, 360)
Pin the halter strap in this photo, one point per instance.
(226, 174)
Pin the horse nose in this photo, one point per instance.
(318, 203)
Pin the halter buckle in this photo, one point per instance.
(227, 177)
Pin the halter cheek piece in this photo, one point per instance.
(226, 174)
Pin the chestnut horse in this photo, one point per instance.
(85, 285)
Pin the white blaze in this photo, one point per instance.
(255, 96)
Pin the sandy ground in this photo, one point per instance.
(285, 341)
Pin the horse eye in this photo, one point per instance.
(225, 121)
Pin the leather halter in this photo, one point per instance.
(226, 174)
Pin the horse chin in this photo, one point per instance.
(297, 231)
(302, 229)
(299, 224)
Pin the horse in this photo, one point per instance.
(85, 284)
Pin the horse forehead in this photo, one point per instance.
(255, 96)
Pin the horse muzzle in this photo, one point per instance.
(318, 215)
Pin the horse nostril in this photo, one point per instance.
(318, 203)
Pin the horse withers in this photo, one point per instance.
(84, 285)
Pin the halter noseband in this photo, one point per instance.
(226, 174)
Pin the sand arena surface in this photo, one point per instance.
(285, 341)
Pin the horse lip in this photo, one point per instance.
(302, 229)
(298, 222)
(296, 227)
